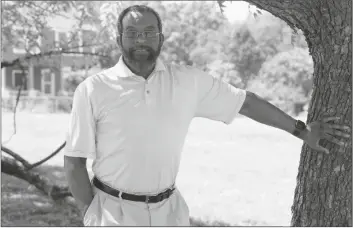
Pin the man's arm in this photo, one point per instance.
(264, 112)
(218, 100)
(78, 180)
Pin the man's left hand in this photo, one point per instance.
(321, 129)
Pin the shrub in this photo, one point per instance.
(286, 80)
(72, 81)
(65, 101)
(64, 105)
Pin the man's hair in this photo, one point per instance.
(140, 9)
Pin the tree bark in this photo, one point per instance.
(323, 195)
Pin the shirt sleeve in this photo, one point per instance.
(217, 100)
(80, 140)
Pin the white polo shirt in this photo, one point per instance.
(135, 129)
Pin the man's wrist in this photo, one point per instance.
(304, 134)
(300, 130)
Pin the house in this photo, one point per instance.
(44, 74)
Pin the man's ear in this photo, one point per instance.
(162, 39)
(118, 41)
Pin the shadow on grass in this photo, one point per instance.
(199, 222)
(24, 205)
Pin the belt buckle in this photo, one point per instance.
(148, 198)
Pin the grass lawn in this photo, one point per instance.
(241, 174)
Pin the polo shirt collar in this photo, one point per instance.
(123, 71)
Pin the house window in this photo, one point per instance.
(18, 79)
(75, 44)
(48, 82)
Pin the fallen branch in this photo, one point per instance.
(26, 164)
(16, 156)
(12, 167)
(47, 158)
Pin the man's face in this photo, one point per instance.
(141, 49)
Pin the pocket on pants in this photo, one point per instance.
(89, 206)
(182, 211)
(184, 219)
(113, 214)
(93, 214)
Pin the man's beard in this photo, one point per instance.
(141, 54)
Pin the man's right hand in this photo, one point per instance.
(79, 182)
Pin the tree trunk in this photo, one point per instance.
(323, 196)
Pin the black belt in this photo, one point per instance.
(126, 196)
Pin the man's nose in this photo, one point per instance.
(140, 39)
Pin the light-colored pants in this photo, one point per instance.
(107, 210)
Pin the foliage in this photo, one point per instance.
(285, 79)
(72, 81)
(26, 24)
(245, 53)
(25, 20)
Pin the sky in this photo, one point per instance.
(235, 11)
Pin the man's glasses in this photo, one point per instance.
(134, 34)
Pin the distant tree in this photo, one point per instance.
(245, 53)
(286, 79)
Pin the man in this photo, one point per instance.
(133, 119)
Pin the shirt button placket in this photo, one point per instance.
(147, 92)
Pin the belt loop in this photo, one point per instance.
(120, 194)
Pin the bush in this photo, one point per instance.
(65, 105)
(286, 80)
(72, 81)
(65, 101)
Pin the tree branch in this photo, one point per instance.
(49, 53)
(56, 12)
(26, 164)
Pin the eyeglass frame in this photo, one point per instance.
(141, 33)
